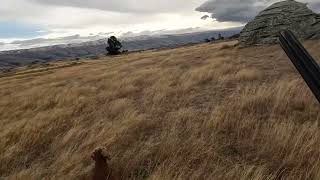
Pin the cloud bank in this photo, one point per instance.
(67, 17)
(51, 21)
(126, 6)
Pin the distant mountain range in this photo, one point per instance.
(16, 58)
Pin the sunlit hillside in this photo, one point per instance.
(208, 111)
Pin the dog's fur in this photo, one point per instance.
(101, 170)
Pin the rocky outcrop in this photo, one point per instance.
(288, 14)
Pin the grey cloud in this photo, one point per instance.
(61, 40)
(75, 14)
(47, 40)
(103, 33)
(240, 10)
(232, 10)
(17, 9)
(77, 36)
(31, 41)
(315, 6)
(139, 35)
(125, 6)
(205, 17)
(60, 16)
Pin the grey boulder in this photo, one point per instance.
(285, 15)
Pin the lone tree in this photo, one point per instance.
(220, 37)
(114, 46)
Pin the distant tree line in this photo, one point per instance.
(220, 37)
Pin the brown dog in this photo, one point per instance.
(101, 170)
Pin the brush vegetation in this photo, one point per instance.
(209, 111)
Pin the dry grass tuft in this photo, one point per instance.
(249, 75)
(226, 46)
(199, 112)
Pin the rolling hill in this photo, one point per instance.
(41, 55)
(207, 111)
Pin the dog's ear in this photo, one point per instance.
(105, 154)
(96, 153)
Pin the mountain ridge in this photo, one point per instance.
(16, 58)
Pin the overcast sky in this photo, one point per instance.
(28, 19)
(54, 18)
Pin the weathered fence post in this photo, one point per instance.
(302, 60)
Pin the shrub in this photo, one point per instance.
(114, 46)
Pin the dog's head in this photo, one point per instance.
(100, 155)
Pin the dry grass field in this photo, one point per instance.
(208, 111)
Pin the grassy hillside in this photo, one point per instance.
(210, 111)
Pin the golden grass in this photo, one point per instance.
(199, 112)
(249, 75)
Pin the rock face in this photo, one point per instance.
(288, 14)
